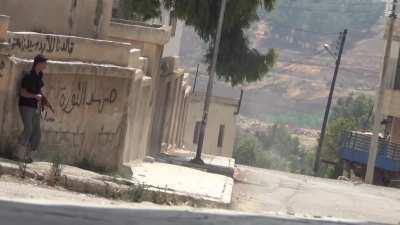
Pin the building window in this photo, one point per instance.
(221, 136)
(196, 133)
(172, 22)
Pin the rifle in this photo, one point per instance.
(46, 103)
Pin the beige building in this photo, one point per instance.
(113, 93)
(221, 126)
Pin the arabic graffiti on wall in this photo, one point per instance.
(109, 139)
(73, 139)
(61, 131)
(49, 44)
(75, 99)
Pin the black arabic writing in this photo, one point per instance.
(76, 99)
(49, 44)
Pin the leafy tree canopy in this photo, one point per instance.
(348, 114)
(272, 149)
(238, 62)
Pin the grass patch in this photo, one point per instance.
(56, 168)
(89, 164)
(136, 193)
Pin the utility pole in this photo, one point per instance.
(369, 177)
(195, 79)
(317, 161)
(210, 85)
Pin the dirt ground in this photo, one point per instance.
(263, 191)
(25, 201)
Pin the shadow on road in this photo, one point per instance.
(12, 213)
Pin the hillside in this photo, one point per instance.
(295, 92)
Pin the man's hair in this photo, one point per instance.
(38, 59)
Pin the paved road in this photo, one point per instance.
(22, 204)
(261, 191)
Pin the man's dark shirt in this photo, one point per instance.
(33, 83)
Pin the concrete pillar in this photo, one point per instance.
(184, 120)
(180, 129)
(170, 93)
(180, 118)
(179, 106)
(146, 127)
(175, 113)
(4, 21)
(156, 101)
(395, 132)
(132, 141)
(185, 115)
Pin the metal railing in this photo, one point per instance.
(356, 141)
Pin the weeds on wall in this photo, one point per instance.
(22, 166)
(160, 197)
(56, 168)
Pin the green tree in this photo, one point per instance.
(333, 137)
(139, 9)
(237, 62)
(356, 108)
(245, 149)
(348, 114)
(274, 149)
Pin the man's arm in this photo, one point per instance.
(25, 93)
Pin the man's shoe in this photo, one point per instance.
(20, 153)
(28, 156)
(35, 155)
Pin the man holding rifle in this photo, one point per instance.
(31, 103)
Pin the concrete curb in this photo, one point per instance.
(226, 171)
(116, 188)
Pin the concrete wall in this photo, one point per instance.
(391, 103)
(150, 39)
(175, 96)
(91, 103)
(124, 120)
(138, 123)
(103, 111)
(84, 18)
(69, 48)
(221, 113)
